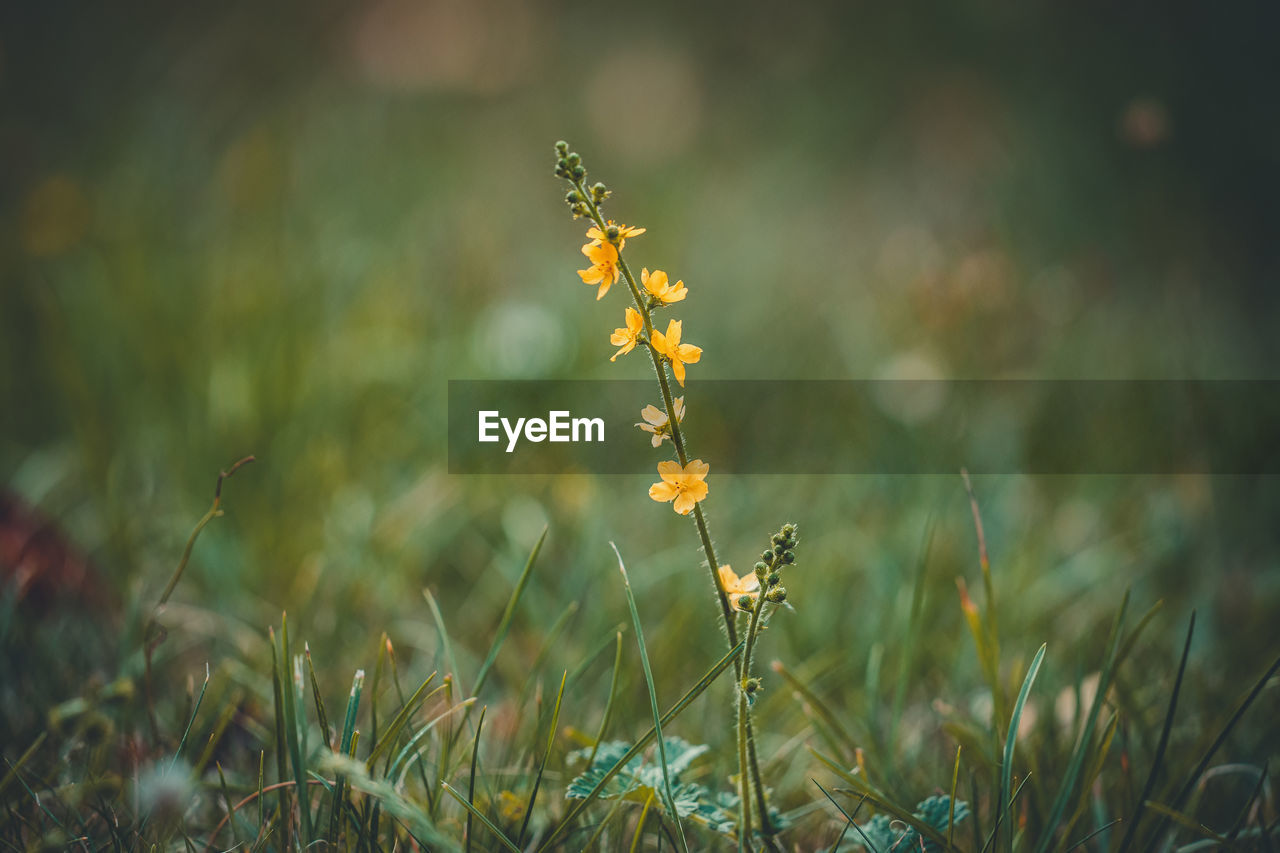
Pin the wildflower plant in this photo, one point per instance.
(746, 602)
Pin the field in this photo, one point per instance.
(247, 248)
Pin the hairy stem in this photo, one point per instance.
(747, 733)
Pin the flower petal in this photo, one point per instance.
(653, 415)
(697, 468)
(673, 334)
(684, 504)
(677, 367)
(690, 354)
(670, 471)
(663, 492)
(728, 578)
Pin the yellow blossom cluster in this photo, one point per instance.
(684, 485)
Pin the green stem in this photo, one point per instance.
(746, 733)
(744, 789)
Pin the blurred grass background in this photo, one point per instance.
(279, 229)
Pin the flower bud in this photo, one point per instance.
(779, 549)
(562, 148)
(777, 595)
(577, 171)
(745, 602)
(788, 557)
(761, 570)
(572, 197)
(574, 159)
(774, 579)
(767, 556)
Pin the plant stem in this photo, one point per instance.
(677, 437)
(744, 789)
(746, 733)
(748, 764)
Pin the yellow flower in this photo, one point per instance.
(677, 353)
(604, 266)
(626, 338)
(657, 421)
(685, 485)
(736, 587)
(624, 231)
(657, 285)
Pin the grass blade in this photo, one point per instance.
(16, 768)
(375, 689)
(291, 733)
(608, 707)
(986, 628)
(1214, 747)
(398, 723)
(653, 701)
(879, 800)
(472, 810)
(1086, 739)
(191, 720)
(471, 783)
(951, 813)
(504, 624)
(542, 766)
(445, 643)
(345, 748)
(409, 751)
(585, 664)
(849, 819)
(550, 641)
(913, 623)
(409, 814)
(1006, 763)
(325, 731)
(678, 708)
(282, 767)
(644, 813)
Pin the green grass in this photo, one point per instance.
(1058, 779)
(295, 269)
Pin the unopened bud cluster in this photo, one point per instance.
(569, 166)
(769, 569)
